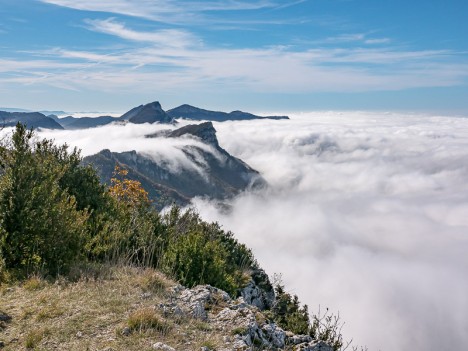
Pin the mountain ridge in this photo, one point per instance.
(148, 113)
(30, 119)
(215, 174)
(195, 113)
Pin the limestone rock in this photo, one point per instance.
(274, 335)
(163, 347)
(298, 339)
(314, 346)
(242, 323)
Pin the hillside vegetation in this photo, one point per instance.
(59, 224)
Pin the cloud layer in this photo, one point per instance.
(366, 215)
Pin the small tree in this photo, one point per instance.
(131, 231)
(288, 313)
(41, 227)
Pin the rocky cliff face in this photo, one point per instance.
(215, 173)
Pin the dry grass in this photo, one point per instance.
(147, 319)
(90, 314)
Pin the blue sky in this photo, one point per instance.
(260, 55)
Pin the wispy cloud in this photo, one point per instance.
(354, 38)
(268, 69)
(166, 11)
(178, 59)
(377, 41)
(166, 37)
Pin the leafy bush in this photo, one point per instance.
(41, 226)
(288, 313)
(194, 260)
(197, 252)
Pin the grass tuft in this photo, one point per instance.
(34, 283)
(147, 319)
(34, 337)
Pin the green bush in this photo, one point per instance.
(198, 252)
(193, 260)
(41, 226)
(288, 313)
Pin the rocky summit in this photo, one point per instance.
(149, 113)
(204, 131)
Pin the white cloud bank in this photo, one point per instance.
(366, 215)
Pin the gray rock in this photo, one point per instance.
(126, 331)
(298, 339)
(163, 347)
(146, 295)
(195, 300)
(274, 335)
(314, 346)
(4, 317)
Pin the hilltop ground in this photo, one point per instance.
(126, 308)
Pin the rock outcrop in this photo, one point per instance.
(243, 325)
(204, 131)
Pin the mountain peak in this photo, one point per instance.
(205, 131)
(149, 113)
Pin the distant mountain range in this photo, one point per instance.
(149, 113)
(216, 174)
(31, 119)
(83, 122)
(198, 114)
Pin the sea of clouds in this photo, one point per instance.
(366, 214)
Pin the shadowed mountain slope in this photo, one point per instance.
(30, 119)
(195, 113)
(212, 173)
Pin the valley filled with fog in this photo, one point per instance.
(366, 214)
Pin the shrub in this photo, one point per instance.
(197, 252)
(288, 313)
(41, 226)
(131, 229)
(194, 260)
